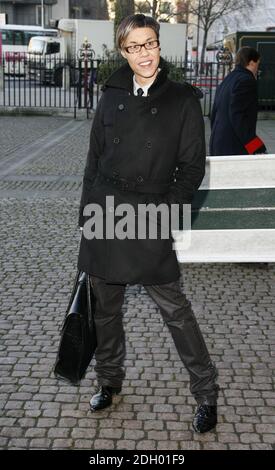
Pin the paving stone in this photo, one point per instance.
(59, 432)
(146, 445)
(136, 434)
(126, 444)
(111, 433)
(262, 446)
(249, 437)
(132, 424)
(103, 444)
(11, 431)
(214, 446)
(62, 444)
(36, 432)
(40, 443)
(180, 436)
(166, 445)
(84, 433)
(228, 437)
(234, 304)
(238, 447)
(18, 443)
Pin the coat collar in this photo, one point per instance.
(123, 78)
(240, 68)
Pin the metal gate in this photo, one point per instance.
(75, 85)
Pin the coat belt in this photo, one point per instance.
(140, 185)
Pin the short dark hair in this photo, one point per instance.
(134, 21)
(246, 54)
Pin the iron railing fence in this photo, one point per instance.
(42, 83)
(76, 84)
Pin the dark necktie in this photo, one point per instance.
(140, 91)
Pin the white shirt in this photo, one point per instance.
(144, 87)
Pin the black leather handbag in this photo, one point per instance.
(78, 334)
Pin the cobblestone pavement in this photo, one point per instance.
(234, 304)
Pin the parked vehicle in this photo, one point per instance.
(14, 40)
(47, 57)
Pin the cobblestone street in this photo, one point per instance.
(41, 166)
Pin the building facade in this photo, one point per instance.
(81, 9)
(26, 12)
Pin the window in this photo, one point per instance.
(76, 12)
(39, 15)
(53, 48)
(7, 38)
(27, 37)
(36, 46)
(18, 38)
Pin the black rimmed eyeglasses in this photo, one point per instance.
(137, 47)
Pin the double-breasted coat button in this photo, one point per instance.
(154, 110)
(148, 144)
(140, 179)
(121, 107)
(116, 140)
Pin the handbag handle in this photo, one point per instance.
(76, 280)
(89, 300)
(88, 280)
(75, 284)
(89, 285)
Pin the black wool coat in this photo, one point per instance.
(234, 115)
(142, 150)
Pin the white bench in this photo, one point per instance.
(235, 212)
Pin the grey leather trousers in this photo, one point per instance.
(178, 315)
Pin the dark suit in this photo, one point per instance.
(234, 116)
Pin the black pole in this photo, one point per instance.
(79, 85)
(198, 35)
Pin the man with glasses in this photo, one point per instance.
(147, 145)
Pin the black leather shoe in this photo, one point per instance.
(103, 397)
(205, 418)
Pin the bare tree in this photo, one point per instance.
(209, 11)
(85, 9)
(182, 11)
(122, 8)
(101, 9)
(159, 9)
